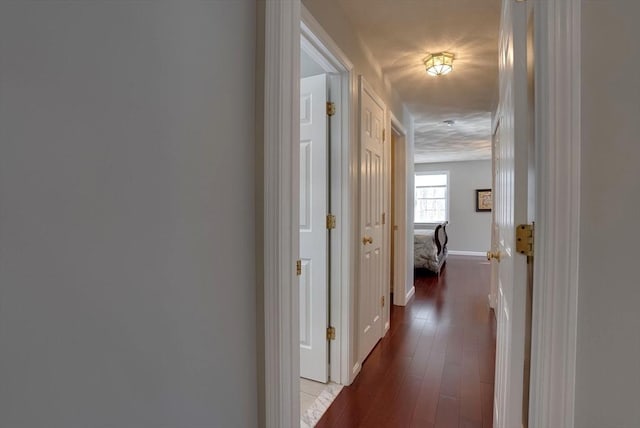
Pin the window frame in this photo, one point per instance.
(447, 198)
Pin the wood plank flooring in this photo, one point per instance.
(435, 366)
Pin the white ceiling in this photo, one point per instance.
(400, 34)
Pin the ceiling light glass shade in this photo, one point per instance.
(439, 64)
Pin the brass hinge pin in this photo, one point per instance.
(331, 333)
(331, 108)
(331, 221)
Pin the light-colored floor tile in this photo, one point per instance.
(306, 400)
(313, 413)
(311, 387)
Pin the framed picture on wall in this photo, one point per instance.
(484, 200)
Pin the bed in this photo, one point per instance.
(430, 248)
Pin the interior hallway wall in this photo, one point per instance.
(608, 354)
(127, 213)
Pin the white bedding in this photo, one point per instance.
(425, 250)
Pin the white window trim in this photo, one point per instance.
(419, 225)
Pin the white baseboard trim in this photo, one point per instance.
(387, 326)
(467, 253)
(491, 301)
(355, 370)
(410, 294)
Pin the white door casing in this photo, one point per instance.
(372, 255)
(313, 230)
(512, 207)
(398, 228)
(386, 221)
(493, 293)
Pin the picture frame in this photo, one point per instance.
(484, 200)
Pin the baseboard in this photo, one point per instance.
(410, 294)
(355, 370)
(387, 326)
(467, 253)
(491, 301)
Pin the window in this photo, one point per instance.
(431, 201)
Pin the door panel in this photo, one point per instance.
(513, 174)
(370, 290)
(313, 231)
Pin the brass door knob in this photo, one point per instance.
(494, 255)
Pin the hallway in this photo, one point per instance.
(435, 367)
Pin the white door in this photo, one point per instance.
(370, 290)
(313, 228)
(513, 206)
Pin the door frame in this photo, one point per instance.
(557, 29)
(557, 35)
(399, 202)
(493, 290)
(286, 24)
(321, 48)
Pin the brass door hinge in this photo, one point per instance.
(384, 218)
(524, 239)
(331, 221)
(331, 108)
(331, 333)
(384, 136)
(298, 267)
(382, 301)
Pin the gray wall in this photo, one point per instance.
(127, 281)
(468, 230)
(608, 359)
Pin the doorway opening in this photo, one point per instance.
(326, 249)
(558, 191)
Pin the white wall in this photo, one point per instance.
(608, 357)
(468, 230)
(127, 294)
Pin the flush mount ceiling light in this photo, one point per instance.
(439, 64)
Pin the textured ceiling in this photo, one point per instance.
(400, 34)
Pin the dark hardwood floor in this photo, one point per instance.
(435, 366)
